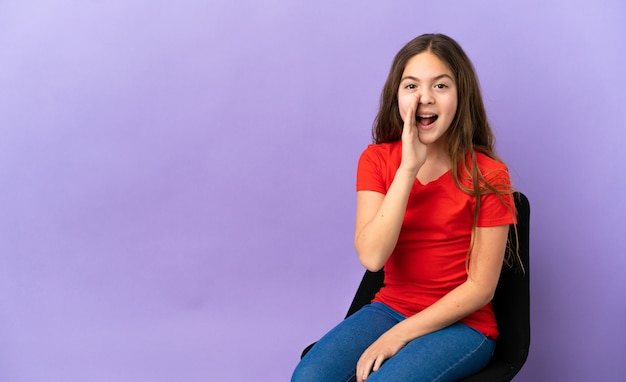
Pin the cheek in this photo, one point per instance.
(451, 107)
(403, 105)
(454, 104)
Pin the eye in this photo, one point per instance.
(410, 86)
(441, 86)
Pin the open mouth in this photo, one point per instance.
(426, 119)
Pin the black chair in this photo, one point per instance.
(511, 305)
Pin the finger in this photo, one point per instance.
(378, 363)
(360, 375)
(359, 371)
(364, 370)
(410, 119)
(413, 108)
(416, 101)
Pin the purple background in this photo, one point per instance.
(177, 196)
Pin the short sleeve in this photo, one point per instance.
(497, 209)
(370, 171)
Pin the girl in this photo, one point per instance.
(434, 204)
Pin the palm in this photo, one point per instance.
(413, 150)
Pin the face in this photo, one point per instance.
(428, 79)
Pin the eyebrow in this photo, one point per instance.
(436, 78)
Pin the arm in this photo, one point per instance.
(379, 220)
(484, 271)
(379, 217)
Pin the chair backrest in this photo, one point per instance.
(511, 303)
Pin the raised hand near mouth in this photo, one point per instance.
(413, 150)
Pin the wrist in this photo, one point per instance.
(410, 173)
(399, 332)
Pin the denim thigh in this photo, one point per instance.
(446, 355)
(334, 356)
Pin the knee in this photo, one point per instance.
(313, 369)
(313, 372)
(304, 373)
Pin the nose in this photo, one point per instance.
(426, 96)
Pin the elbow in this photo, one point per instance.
(485, 295)
(371, 266)
(373, 258)
(371, 261)
(482, 293)
(490, 290)
(489, 296)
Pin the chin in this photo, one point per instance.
(428, 139)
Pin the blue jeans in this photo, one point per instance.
(448, 354)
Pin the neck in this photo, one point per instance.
(437, 156)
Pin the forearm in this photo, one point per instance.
(484, 272)
(454, 306)
(375, 239)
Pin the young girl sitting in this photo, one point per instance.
(434, 205)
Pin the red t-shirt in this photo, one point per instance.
(429, 258)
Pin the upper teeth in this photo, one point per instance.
(426, 115)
